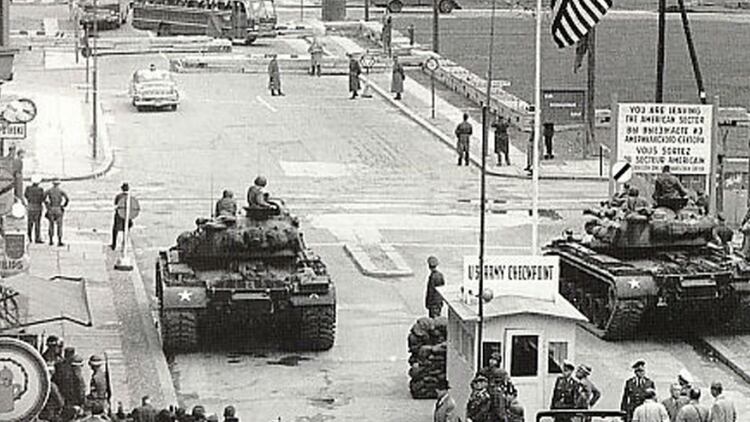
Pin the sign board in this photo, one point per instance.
(15, 245)
(622, 171)
(563, 106)
(651, 135)
(431, 64)
(25, 381)
(519, 275)
(13, 131)
(135, 207)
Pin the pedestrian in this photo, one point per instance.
(54, 352)
(34, 196)
(98, 388)
(144, 413)
(501, 126)
(119, 222)
(410, 33)
(674, 402)
(685, 380)
(530, 152)
(316, 56)
(723, 409)
(55, 200)
(565, 394)
(463, 135)
(397, 78)
(634, 392)
(650, 410)
(445, 407)
(274, 76)
(226, 205)
(55, 401)
(354, 72)
(230, 414)
(478, 405)
(694, 411)
(745, 229)
(549, 133)
(589, 394)
(432, 301)
(387, 33)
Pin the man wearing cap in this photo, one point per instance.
(650, 410)
(119, 223)
(230, 414)
(694, 411)
(674, 402)
(492, 363)
(685, 380)
(445, 407)
(146, 412)
(98, 390)
(502, 392)
(589, 393)
(53, 354)
(433, 302)
(34, 195)
(723, 409)
(566, 393)
(479, 403)
(55, 200)
(69, 378)
(634, 392)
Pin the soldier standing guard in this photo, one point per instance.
(274, 77)
(478, 405)
(566, 392)
(316, 56)
(634, 393)
(397, 78)
(432, 301)
(34, 195)
(354, 72)
(501, 140)
(463, 134)
(55, 200)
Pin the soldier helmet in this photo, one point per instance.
(53, 341)
(36, 179)
(497, 356)
(96, 360)
(125, 187)
(260, 181)
(515, 408)
(77, 360)
(432, 261)
(229, 411)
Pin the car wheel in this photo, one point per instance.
(395, 6)
(446, 6)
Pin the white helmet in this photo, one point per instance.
(36, 179)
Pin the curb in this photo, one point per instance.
(722, 357)
(366, 266)
(450, 143)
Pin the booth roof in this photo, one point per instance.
(505, 305)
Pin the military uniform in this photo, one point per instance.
(463, 133)
(565, 395)
(667, 190)
(316, 56)
(256, 198)
(226, 206)
(99, 390)
(501, 141)
(433, 302)
(34, 195)
(56, 200)
(633, 394)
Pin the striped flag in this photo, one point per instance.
(572, 19)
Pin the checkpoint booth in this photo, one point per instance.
(527, 321)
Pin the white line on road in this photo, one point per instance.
(268, 106)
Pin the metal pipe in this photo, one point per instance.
(693, 54)
(658, 96)
(537, 132)
(435, 27)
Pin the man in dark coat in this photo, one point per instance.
(502, 391)
(432, 301)
(55, 401)
(548, 133)
(54, 352)
(69, 378)
(99, 388)
(256, 197)
(479, 403)
(119, 223)
(226, 205)
(230, 414)
(397, 78)
(463, 135)
(354, 72)
(144, 413)
(634, 393)
(668, 191)
(501, 140)
(566, 392)
(34, 195)
(55, 199)
(274, 77)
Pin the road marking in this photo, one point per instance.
(268, 106)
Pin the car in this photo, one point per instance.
(154, 88)
(395, 6)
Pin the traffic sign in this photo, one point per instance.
(622, 171)
(22, 110)
(431, 64)
(367, 61)
(12, 130)
(24, 381)
(135, 207)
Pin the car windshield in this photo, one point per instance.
(152, 76)
(261, 8)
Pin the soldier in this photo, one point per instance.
(229, 414)
(316, 56)
(55, 200)
(274, 77)
(674, 402)
(566, 392)
(97, 414)
(119, 223)
(694, 411)
(53, 354)
(445, 407)
(98, 389)
(635, 203)
(501, 126)
(55, 401)
(34, 195)
(685, 380)
(549, 133)
(668, 191)
(354, 72)
(463, 134)
(478, 405)
(146, 412)
(701, 201)
(723, 409)
(432, 301)
(723, 234)
(397, 78)
(256, 197)
(69, 379)
(502, 392)
(492, 363)
(589, 393)
(226, 205)
(633, 394)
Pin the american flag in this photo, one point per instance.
(572, 19)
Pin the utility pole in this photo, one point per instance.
(435, 27)
(659, 95)
(693, 54)
(590, 92)
(95, 84)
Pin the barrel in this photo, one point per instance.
(334, 10)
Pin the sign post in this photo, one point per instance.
(26, 381)
(432, 65)
(127, 210)
(367, 61)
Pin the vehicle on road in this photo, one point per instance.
(241, 21)
(652, 268)
(245, 273)
(396, 6)
(109, 14)
(153, 88)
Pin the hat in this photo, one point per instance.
(260, 181)
(125, 187)
(442, 385)
(53, 341)
(568, 365)
(96, 360)
(56, 181)
(36, 179)
(77, 360)
(639, 364)
(585, 369)
(229, 411)
(432, 261)
(479, 378)
(685, 376)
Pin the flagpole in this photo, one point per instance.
(537, 133)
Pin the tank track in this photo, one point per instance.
(315, 328)
(179, 331)
(625, 319)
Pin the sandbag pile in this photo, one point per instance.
(427, 347)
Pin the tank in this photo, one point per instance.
(651, 268)
(239, 271)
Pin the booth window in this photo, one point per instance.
(558, 352)
(524, 359)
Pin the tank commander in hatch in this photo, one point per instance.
(256, 196)
(226, 205)
(668, 191)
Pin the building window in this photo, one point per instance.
(558, 352)
(524, 356)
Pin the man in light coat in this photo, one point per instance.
(723, 409)
(274, 77)
(650, 410)
(445, 407)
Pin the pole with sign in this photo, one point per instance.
(367, 61)
(127, 209)
(432, 65)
